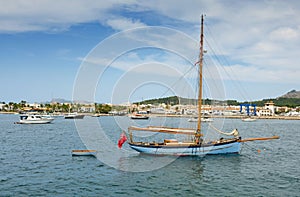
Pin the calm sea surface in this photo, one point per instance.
(36, 160)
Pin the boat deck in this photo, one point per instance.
(170, 144)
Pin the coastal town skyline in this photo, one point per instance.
(44, 47)
(288, 99)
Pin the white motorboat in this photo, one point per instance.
(35, 119)
(205, 119)
(74, 116)
(249, 119)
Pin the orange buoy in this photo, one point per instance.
(258, 151)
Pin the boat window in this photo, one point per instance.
(23, 117)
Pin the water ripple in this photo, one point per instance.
(36, 161)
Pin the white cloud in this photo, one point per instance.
(266, 47)
(149, 45)
(285, 33)
(31, 15)
(131, 61)
(263, 36)
(244, 73)
(124, 23)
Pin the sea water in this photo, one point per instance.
(36, 160)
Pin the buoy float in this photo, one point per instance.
(258, 151)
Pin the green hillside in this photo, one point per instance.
(174, 100)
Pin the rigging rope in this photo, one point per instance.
(229, 72)
(169, 88)
(242, 91)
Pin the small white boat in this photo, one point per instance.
(84, 152)
(249, 119)
(139, 117)
(74, 116)
(34, 119)
(195, 119)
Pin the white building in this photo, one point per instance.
(2, 106)
(267, 110)
(87, 108)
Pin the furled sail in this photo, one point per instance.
(234, 132)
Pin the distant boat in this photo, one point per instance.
(74, 116)
(248, 119)
(34, 119)
(139, 116)
(84, 152)
(205, 119)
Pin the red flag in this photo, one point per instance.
(122, 139)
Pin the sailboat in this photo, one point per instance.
(197, 145)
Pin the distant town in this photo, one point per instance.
(269, 109)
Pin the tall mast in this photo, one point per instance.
(198, 135)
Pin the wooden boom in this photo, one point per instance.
(185, 131)
(259, 138)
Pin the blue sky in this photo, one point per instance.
(115, 52)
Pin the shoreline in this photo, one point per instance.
(8, 112)
(189, 116)
(234, 117)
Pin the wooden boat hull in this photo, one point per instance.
(84, 152)
(189, 150)
(140, 117)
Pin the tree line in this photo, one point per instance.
(55, 107)
(174, 100)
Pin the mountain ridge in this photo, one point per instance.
(291, 94)
(290, 99)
